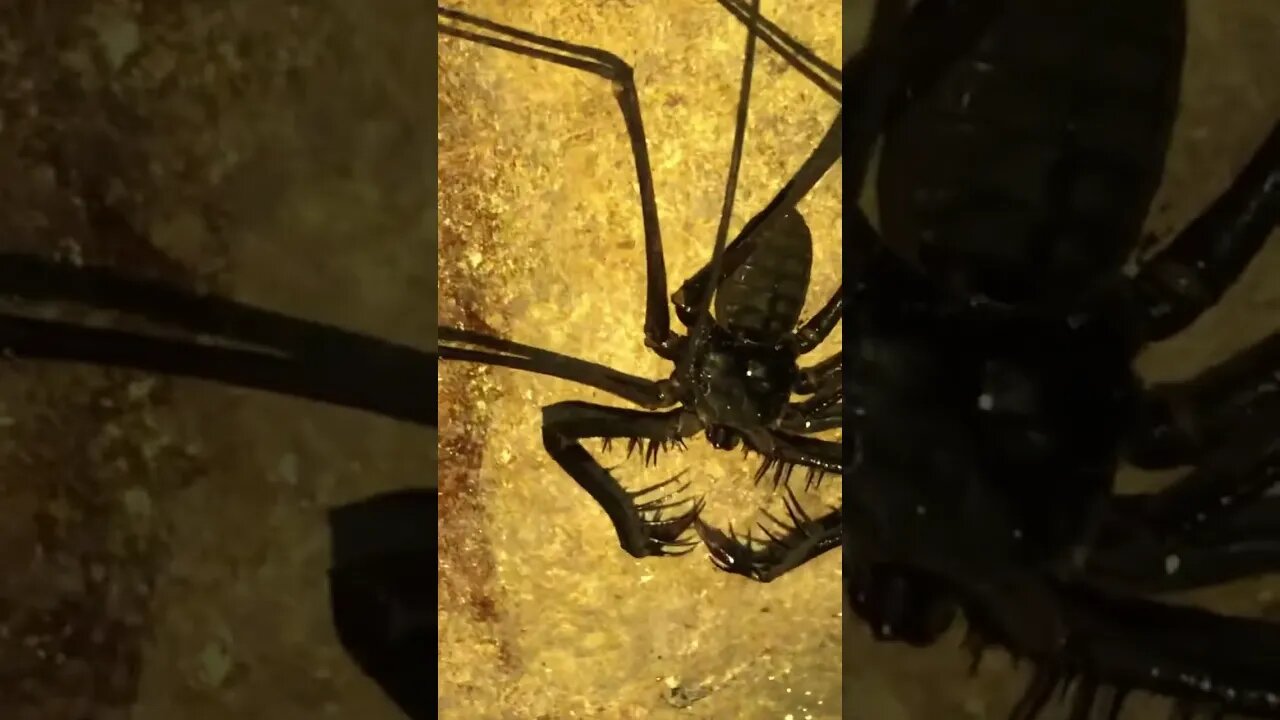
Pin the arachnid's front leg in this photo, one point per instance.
(637, 516)
(796, 540)
(828, 373)
(657, 319)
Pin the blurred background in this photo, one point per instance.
(163, 544)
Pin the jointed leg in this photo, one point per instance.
(822, 74)
(1182, 421)
(784, 451)
(657, 321)
(1213, 526)
(811, 170)
(817, 328)
(1205, 259)
(825, 409)
(649, 394)
(641, 529)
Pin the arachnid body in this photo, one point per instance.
(585, 296)
(990, 340)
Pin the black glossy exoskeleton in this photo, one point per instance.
(989, 344)
(737, 368)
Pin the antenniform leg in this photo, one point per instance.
(657, 319)
(1182, 421)
(1207, 660)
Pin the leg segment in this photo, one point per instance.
(824, 375)
(825, 409)
(817, 328)
(642, 530)
(1189, 276)
(822, 74)
(1216, 525)
(657, 321)
(801, 539)
(506, 353)
(1182, 421)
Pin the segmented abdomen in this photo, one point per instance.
(763, 297)
(1025, 173)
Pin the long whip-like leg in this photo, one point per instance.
(821, 73)
(507, 353)
(657, 317)
(396, 387)
(703, 312)
(34, 279)
(233, 343)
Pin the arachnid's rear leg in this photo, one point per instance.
(795, 541)
(637, 516)
(828, 372)
(780, 209)
(1188, 277)
(657, 319)
(1180, 422)
(824, 411)
(455, 345)
(1213, 526)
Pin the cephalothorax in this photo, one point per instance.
(736, 369)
